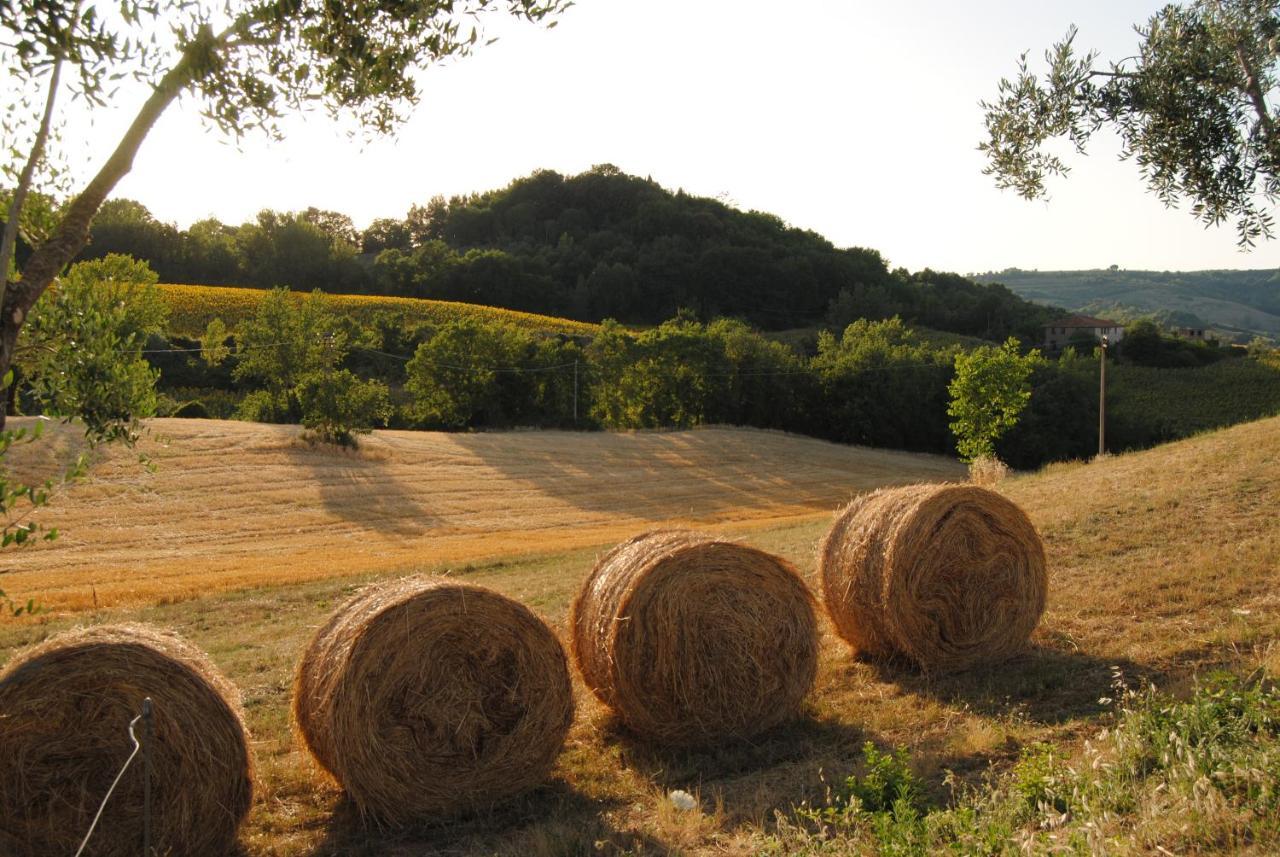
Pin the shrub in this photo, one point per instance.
(193, 410)
(336, 405)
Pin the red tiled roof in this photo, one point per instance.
(1082, 321)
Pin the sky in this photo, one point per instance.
(858, 120)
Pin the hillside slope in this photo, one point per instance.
(1164, 565)
(1161, 556)
(235, 504)
(191, 308)
(1247, 302)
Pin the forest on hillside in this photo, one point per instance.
(601, 244)
(1237, 305)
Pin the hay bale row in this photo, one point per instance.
(425, 698)
(432, 697)
(944, 576)
(65, 707)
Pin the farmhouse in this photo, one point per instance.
(1059, 332)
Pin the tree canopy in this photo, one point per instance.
(600, 244)
(1191, 108)
(248, 63)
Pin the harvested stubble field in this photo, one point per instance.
(1162, 563)
(234, 504)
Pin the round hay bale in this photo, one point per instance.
(945, 575)
(427, 698)
(65, 708)
(694, 640)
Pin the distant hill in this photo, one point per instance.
(600, 244)
(1239, 304)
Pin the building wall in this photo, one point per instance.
(1057, 337)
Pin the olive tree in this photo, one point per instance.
(248, 62)
(1192, 107)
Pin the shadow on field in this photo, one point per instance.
(794, 747)
(362, 490)
(1047, 684)
(656, 476)
(552, 819)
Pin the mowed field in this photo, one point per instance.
(227, 505)
(1164, 566)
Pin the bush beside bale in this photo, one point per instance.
(65, 708)
(946, 576)
(427, 698)
(693, 640)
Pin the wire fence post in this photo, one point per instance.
(147, 732)
(575, 393)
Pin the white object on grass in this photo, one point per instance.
(682, 800)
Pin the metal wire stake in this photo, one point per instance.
(147, 732)
(98, 816)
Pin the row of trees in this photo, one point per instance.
(875, 383)
(95, 349)
(592, 246)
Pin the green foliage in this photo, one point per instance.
(1211, 760)
(882, 385)
(286, 340)
(597, 245)
(213, 345)
(989, 391)
(666, 376)
(1190, 108)
(889, 785)
(264, 406)
(296, 251)
(1147, 405)
(1060, 421)
(81, 350)
(1145, 345)
(192, 410)
(295, 349)
(18, 501)
(336, 405)
(683, 373)
(470, 372)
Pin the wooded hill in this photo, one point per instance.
(1238, 304)
(601, 244)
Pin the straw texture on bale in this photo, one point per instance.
(427, 698)
(65, 707)
(693, 640)
(946, 576)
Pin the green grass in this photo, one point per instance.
(1164, 776)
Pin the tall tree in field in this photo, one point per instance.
(990, 389)
(247, 61)
(1194, 108)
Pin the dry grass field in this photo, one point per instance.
(233, 504)
(1163, 564)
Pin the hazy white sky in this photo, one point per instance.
(858, 120)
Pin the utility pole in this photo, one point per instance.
(1102, 399)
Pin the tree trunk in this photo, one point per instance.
(72, 231)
